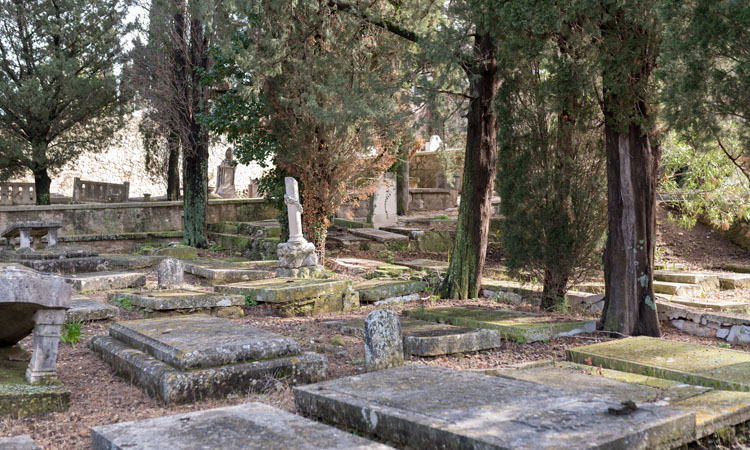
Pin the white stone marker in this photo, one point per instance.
(294, 210)
(297, 257)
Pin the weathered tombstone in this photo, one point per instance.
(383, 344)
(297, 257)
(225, 177)
(170, 273)
(36, 302)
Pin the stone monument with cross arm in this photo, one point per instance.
(297, 257)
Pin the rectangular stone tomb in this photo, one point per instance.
(678, 289)
(105, 281)
(388, 291)
(687, 363)
(431, 407)
(248, 426)
(513, 325)
(714, 409)
(423, 338)
(427, 265)
(181, 359)
(378, 235)
(179, 300)
(85, 310)
(294, 296)
(227, 272)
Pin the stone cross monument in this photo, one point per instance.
(297, 257)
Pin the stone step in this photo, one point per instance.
(169, 301)
(87, 310)
(739, 268)
(409, 232)
(420, 406)
(228, 428)
(707, 281)
(734, 306)
(734, 281)
(227, 272)
(378, 235)
(714, 409)
(389, 291)
(678, 289)
(512, 325)
(700, 365)
(295, 296)
(105, 281)
(422, 338)
(346, 223)
(184, 358)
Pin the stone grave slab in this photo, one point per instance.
(18, 398)
(592, 287)
(248, 426)
(513, 325)
(427, 265)
(389, 291)
(181, 359)
(422, 338)
(171, 301)
(432, 407)
(105, 281)
(511, 291)
(707, 281)
(221, 272)
(362, 267)
(687, 363)
(709, 303)
(21, 442)
(86, 310)
(714, 409)
(346, 240)
(410, 232)
(734, 281)
(678, 289)
(295, 296)
(378, 235)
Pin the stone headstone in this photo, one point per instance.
(170, 273)
(225, 177)
(383, 345)
(297, 257)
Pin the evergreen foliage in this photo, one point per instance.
(58, 92)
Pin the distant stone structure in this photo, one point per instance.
(225, 177)
(297, 257)
(85, 191)
(24, 231)
(17, 194)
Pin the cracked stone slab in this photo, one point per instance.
(714, 409)
(423, 338)
(105, 281)
(199, 341)
(221, 272)
(248, 426)
(87, 310)
(372, 291)
(432, 407)
(427, 265)
(295, 296)
(176, 299)
(706, 280)
(513, 325)
(679, 361)
(21, 442)
(378, 235)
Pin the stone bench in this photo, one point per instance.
(26, 230)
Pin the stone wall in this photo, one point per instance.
(132, 217)
(124, 160)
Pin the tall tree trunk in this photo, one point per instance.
(402, 183)
(42, 182)
(632, 167)
(196, 154)
(464, 275)
(173, 167)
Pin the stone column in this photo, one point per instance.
(51, 237)
(294, 210)
(47, 328)
(25, 238)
